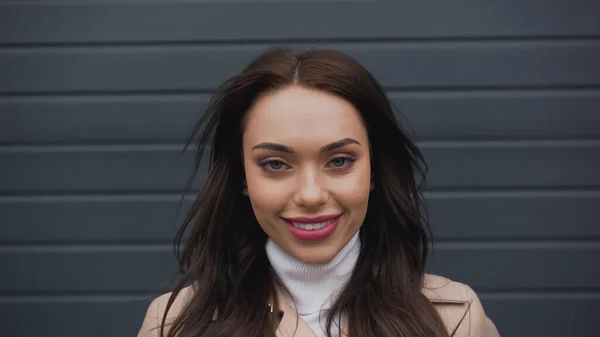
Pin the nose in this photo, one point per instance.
(310, 191)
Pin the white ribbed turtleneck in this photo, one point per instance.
(314, 287)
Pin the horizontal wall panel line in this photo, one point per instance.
(407, 89)
(103, 245)
(26, 248)
(450, 144)
(93, 148)
(76, 298)
(102, 197)
(575, 91)
(300, 41)
(87, 248)
(177, 196)
(516, 245)
(564, 291)
(122, 93)
(304, 44)
(507, 241)
(543, 295)
(203, 20)
(510, 193)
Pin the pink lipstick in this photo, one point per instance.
(313, 228)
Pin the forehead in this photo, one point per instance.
(296, 113)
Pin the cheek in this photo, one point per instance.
(354, 189)
(265, 194)
(265, 201)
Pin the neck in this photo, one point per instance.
(314, 287)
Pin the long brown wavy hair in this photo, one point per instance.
(223, 251)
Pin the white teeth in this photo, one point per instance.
(312, 226)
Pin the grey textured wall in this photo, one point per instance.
(96, 99)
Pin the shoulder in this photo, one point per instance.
(459, 307)
(156, 310)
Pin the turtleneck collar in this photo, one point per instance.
(314, 287)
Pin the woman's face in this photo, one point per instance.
(308, 173)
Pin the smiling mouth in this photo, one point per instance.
(312, 226)
(313, 229)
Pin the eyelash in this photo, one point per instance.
(349, 159)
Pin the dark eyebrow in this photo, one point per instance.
(287, 149)
(338, 144)
(274, 147)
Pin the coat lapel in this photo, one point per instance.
(291, 324)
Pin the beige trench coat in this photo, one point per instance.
(457, 304)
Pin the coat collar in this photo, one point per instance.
(441, 290)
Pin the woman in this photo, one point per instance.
(309, 223)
